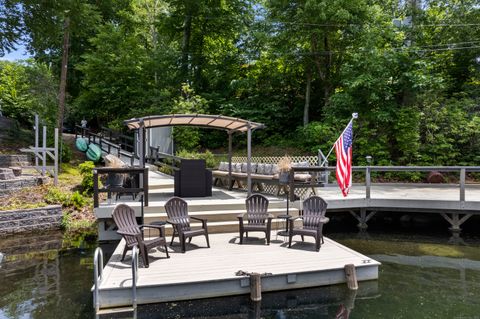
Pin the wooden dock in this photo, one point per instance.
(211, 272)
(222, 208)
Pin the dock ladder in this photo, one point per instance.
(97, 280)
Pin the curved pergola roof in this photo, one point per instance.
(198, 120)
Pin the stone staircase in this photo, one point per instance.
(17, 160)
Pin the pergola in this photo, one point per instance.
(229, 124)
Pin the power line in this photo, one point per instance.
(327, 25)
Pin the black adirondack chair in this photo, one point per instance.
(258, 218)
(177, 212)
(124, 217)
(314, 209)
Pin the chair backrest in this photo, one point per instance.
(314, 208)
(177, 211)
(124, 217)
(257, 209)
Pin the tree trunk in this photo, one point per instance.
(328, 65)
(308, 89)
(63, 74)
(187, 30)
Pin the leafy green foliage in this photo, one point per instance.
(208, 156)
(301, 67)
(55, 195)
(188, 103)
(86, 170)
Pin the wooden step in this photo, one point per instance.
(225, 227)
(218, 215)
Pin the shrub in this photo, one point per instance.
(67, 154)
(86, 170)
(207, 156)
(77, 201)
(56, 196)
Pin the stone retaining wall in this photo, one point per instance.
(14, 160)
(29, 220)
(8, 186)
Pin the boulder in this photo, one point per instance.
(435, 177)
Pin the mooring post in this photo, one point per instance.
(255, 286)
(255, 310)
(351, 276)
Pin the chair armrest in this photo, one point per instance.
(161, 228)
(324, 220)
(203, 220)
(269, 216)
(240, 216)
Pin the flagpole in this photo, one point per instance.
(354, 116)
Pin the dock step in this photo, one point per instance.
(109, 311)
(217, 215)
(225, 227)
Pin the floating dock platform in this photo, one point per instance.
(211, 272)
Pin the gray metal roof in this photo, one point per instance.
(198, 120)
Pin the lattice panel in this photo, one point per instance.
(312, 160)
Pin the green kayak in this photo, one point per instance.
(94, 152)
(82, 144)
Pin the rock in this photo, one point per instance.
(6, 173)
(435, 177)
(17, 171)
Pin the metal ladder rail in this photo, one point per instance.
(134, 276)
(97, 276)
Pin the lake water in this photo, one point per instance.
(424, 274)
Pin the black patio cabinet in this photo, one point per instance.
(193, 179)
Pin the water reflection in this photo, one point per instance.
(421, 276)
(322, 302)
(42, 278)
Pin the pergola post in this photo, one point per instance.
(249, 158)
(141, 144)
(230, 133)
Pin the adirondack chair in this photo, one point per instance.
(258, 218)
(314, 209)
(177, 212)
(124, 217)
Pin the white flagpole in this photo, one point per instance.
(354, 116)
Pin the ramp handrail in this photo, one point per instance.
(97, 276)
(134, 276)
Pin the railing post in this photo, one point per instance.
(367, 177)
(145, 186)
(462, 184)
(367, 183)
(95, 188)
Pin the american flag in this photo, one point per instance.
(343, 149)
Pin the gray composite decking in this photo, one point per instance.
(210, 272)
